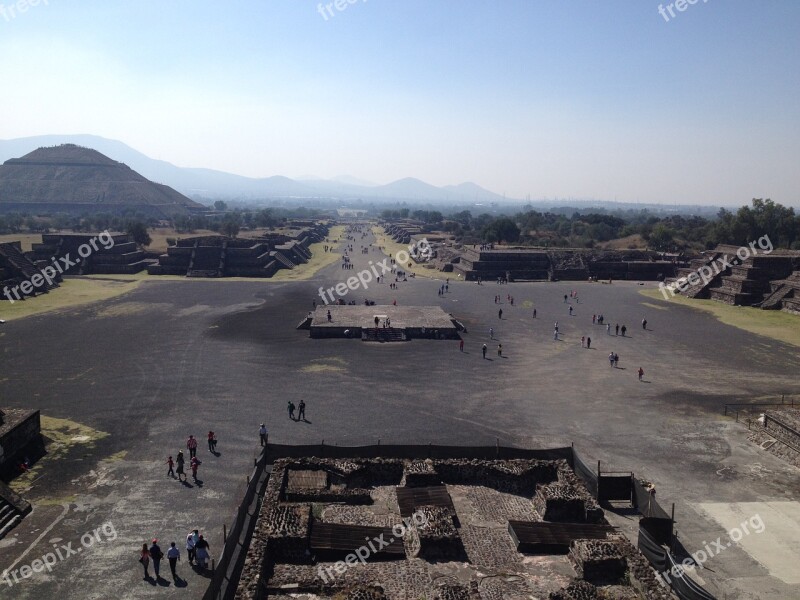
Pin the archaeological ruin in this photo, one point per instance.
(381, 323)
(399, 525)
(16, 269)
(771, 281)
(123, 257)
(220, 256)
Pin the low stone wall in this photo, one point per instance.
(597, 561)
(517, 476)
(287, 530)
(437, 537)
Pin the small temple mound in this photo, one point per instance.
(381, 323)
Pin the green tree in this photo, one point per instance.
(230, 226)
(661, 238)
(138, 231)
(501, 230)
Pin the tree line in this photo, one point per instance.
(585, 229)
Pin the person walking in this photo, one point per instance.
(500, 350)
(616, 329)
(170, 471)
(583, 341)
(483, 349)
(194, 464)
(144, 560)
(623, 330)
(173, 556)
(555, 334)
(500, 314)
(534, 313)
(212, 441)
(190, 547)
(156, 555)
(491, 333)
(589, 343)
(570, 311)
(301, 410)
(191, 444)
(616, 360)
(594, 319)
(201, 549)
(611, 360)
(641, 373)
(461, 345)
(644, 324)
(262, 433)
(180, 460)
(608, 328)
(290, 406)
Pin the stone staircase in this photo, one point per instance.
(13, 509)
(748, 283)
(784, 294)
(24, 265)
(701, 288)
(774, 300)
(383, 334)
(206, 261)
(281, 259)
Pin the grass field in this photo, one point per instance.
(391, 248)
(773, 324)
(72, 292)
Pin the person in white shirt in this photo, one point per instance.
(190, 546)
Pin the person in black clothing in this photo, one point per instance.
(179, 461)
(301, 411)
(156, 555)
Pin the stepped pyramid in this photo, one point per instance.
(74, 179)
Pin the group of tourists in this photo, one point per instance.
(176, 467)
(586, 341)
(197, 549)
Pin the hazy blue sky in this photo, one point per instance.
(561, 98)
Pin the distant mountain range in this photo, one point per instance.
(211, 184)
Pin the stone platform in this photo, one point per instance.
(405, 322)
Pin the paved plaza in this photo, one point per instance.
(183, 357)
